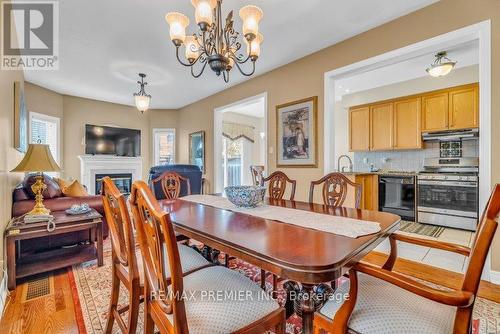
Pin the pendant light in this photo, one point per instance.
(141, 98)
(441, 66)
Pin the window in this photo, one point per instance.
(45, 130)
(163, 146)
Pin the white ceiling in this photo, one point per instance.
(104, 44)
(465, 55)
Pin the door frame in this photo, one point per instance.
(481, 32)
(218, 112)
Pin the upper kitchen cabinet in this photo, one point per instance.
(464, 107)
(359, 129)
(407, 125)
(381, 127)
(435, 111)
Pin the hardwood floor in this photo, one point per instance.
(54, 313)
(51, 313)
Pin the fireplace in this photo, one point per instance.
(122, 181)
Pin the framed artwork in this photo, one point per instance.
(20, 119)
(197, 149)
(297, 133)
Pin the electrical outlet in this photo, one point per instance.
(365, 161)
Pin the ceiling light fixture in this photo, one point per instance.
(441, 66)
(216, 44)
(141, 98)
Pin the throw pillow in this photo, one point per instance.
(52, 190)
(62, 182)
(75, 189)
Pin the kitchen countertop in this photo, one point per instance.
(381, 172)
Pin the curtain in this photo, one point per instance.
(236, 131)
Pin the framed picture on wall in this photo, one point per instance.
(297, 133)
(20, 118)
(197, 149)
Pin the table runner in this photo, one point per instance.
(344, 226)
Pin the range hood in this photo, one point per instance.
(451, 135)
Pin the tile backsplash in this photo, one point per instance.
(411, 160)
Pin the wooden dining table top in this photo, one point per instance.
(290, 251)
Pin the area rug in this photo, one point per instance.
(422, 229)
(91, 286)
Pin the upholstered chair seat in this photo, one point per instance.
(190, 260)
(382, 307)
(243, 303)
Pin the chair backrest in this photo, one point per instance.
(335, 188)
(120, 227)
(157, 241)
(171, 183)
(192, 172)
(277, 185)
(257, 172)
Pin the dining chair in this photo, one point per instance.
(127, 266)
(165, 305)
(257, 172)
(277, 184)
(335, 189)
(383, 301)
(171, 184)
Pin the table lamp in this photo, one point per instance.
(38, 159)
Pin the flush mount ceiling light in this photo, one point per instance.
(217, 43)
(141, 98)
(441, 66)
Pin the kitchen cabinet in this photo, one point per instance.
(369, 195)
(381, 126)
(464, 108)
(435, 112)
(407, 125)
(359, 129)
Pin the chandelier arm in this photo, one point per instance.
(226, 79)
(180, 61)
(201, 71)
(243, 72)
(241, 61)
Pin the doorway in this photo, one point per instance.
(240, 140)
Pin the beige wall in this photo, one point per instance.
(304, 78)
(9, 157)
(460, 76)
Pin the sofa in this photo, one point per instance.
(192, 172)
(54, 200)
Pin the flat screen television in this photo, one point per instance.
(112, 141)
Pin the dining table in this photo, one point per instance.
(307, 257)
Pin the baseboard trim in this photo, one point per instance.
(495, 277)
(4, 292)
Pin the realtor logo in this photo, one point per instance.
(30, 32)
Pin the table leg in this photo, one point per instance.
(11, 264)
(304, 300)
(100, 260)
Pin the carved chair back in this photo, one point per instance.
(335, 189)
(277, 185)
(171, 184)
(257, 172)
(120, 227)
(157, 240)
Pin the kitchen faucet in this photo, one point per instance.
(338, 163)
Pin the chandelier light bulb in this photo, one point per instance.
(192, 48)
(203, 13)
(178, 23)
(251, 16)
(253, 47)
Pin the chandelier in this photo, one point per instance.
(141, 98)
(442, 65)
(217, 43)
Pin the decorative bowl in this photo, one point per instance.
(245, 196)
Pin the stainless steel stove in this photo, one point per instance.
(448, 192)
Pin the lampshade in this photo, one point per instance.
(204, 11)
(251, 15)
(192, 48)
(142, 102)
(37, 159)
(178, 23)
(441, 69)
(253, 47)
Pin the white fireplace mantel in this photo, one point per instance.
(90, 165)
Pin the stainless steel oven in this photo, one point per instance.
(396, 194)
(448, 199)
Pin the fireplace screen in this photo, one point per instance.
(122, 181)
